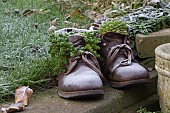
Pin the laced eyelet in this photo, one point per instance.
(104, 44)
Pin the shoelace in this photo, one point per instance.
(88, 59)
(113, 53)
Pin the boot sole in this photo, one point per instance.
(128, 83)
(81, 94)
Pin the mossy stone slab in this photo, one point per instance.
(146, 44)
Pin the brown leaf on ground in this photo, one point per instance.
(22, 96)
(19, 106)
(70, 24)
(23, 93)
(52, 28)
(111, 13)
(75, 13)
(67, 16)
(93, 15)
(31, 11)
(28, 12)
(44, 11)
(53, 23)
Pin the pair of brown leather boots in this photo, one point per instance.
(86, 74)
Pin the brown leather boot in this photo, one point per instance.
(83, 77)
(117, 61)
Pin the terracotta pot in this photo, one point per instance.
(162, 65)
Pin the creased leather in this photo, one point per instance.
(89, 60)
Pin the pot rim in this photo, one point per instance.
(159, 51)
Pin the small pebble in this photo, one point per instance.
(16, 11)
(150, 69)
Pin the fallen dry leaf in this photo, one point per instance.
(31, 11)
(53, 23)
(93, 15)
(22, 96)
(109, 13)
(23, 93)
(70, 24)
(44, 11)
(75, 13)
(52, 28)
(67, 16)
(19, 106)
(28, 12)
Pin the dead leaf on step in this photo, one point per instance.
(19, 106)
(24, 94)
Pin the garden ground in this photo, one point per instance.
(24, 41)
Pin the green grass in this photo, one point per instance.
(17, 37)
(144, 110)
(24, 49)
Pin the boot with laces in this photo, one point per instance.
(117, 62)
(83, 77)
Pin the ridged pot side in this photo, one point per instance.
(162, 65)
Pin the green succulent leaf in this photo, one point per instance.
(116, 26)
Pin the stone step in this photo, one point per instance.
(151, 103)
(113, 101)
(146, 44)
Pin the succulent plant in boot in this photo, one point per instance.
(60, 48)
(115, 26)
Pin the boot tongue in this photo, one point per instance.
(109, 40)
(76, 40)
(115, 38)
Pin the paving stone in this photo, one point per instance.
(151, 103)
(146, 44)
(133, 95)
(113, 101)
(148, 63)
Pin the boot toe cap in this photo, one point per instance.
(132, 72)
(82, 79)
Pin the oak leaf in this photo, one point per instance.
(19, 106)
(23, 93)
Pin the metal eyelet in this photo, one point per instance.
(104, 44)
